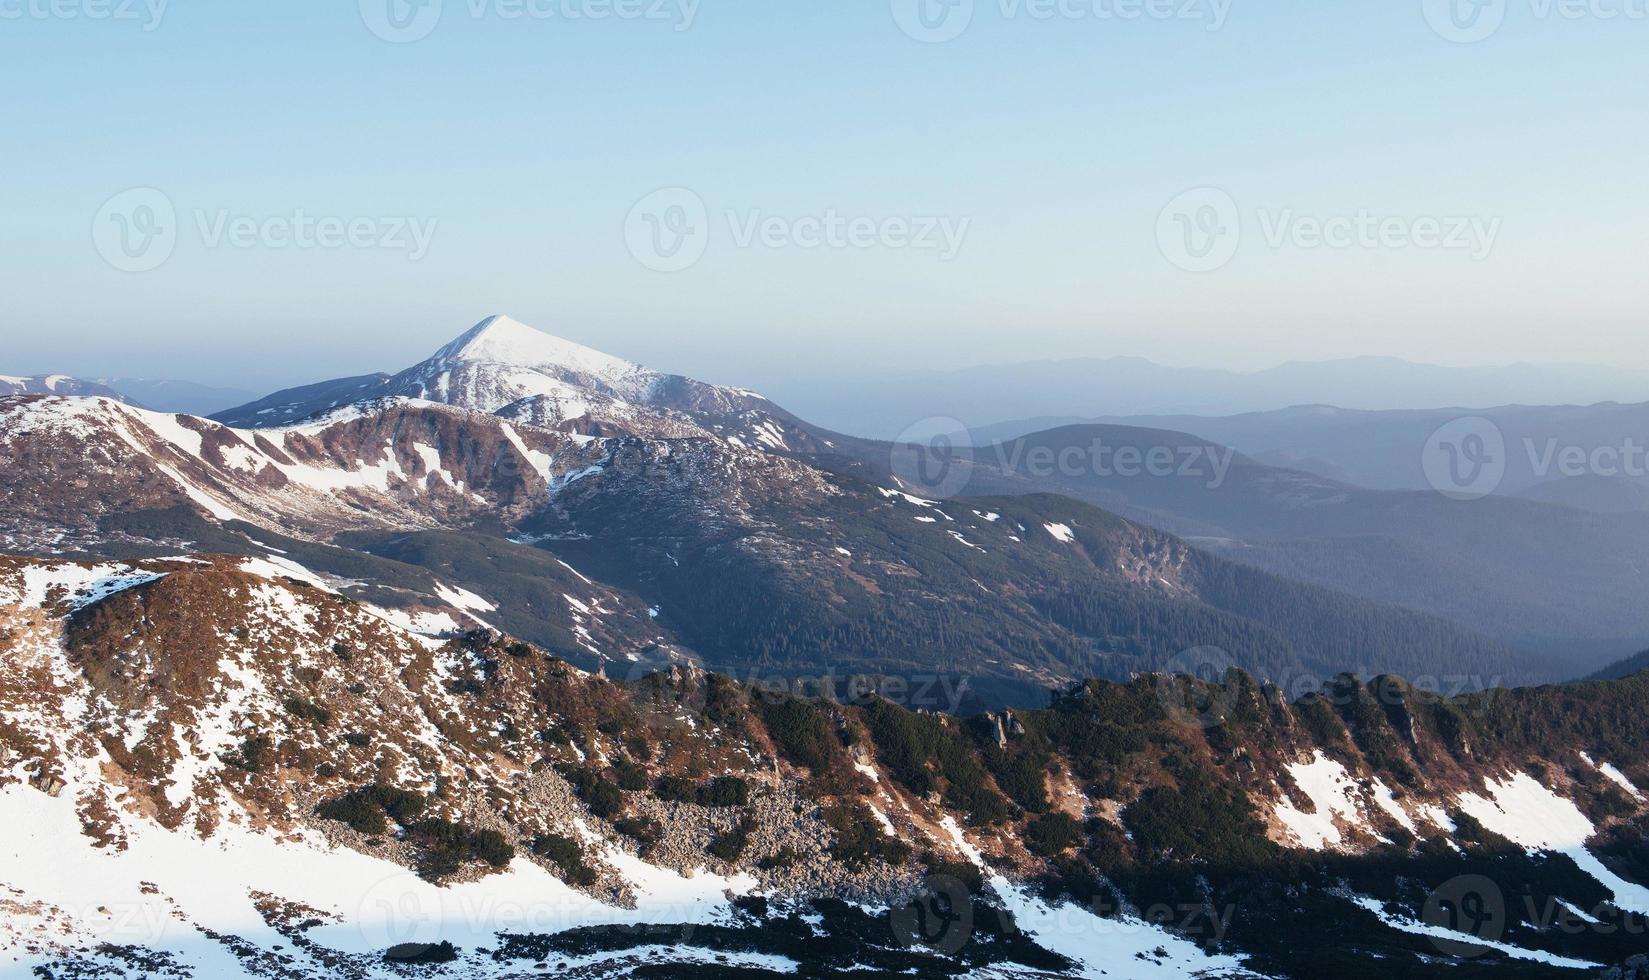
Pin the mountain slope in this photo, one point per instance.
(213, 769)
(1538, 577)
(504, 367)
(749, 560)
(762, 563)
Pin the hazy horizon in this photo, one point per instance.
(736, 192)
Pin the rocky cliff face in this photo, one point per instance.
(218, 766)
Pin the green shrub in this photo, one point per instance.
(859, 837)
(922, 752)
(1052, 833)
(730, 845)
(630, 776)
(643, 830)
(445, 846)
(566, 854)
(1199, 821)
(305, 710)
(366, 809)
(676, 789)
(802, 730)
(256, 753)
(599, 793)
(725, 792)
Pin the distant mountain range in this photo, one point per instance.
(1591, 457)
(883, 405)
(527, 660)
(509, 452)
(162, 396)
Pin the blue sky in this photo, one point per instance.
(1053, 145)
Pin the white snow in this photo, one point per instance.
(82, 585)
(1123, 948)
(1061, 532)
(1437, 932)
(463, 599)
(276, 568)
(1615, 776)
(503, 340)
(375, 904)
(1385, 800)
(1332, 792)
(1528, 814)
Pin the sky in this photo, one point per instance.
(265, 194)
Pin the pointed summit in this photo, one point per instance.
(503, 340)
(502, 366)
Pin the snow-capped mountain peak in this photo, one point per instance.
(504, 367)
(503, 340)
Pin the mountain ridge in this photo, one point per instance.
(352, 784)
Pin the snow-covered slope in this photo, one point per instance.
(504, 367)
(395, 463)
